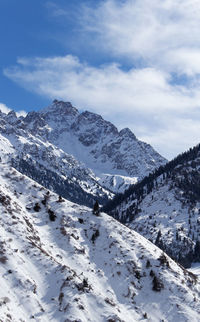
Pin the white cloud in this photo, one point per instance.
(5, 109)
(145, 90)
(144, 96)
(153, 31)
(183, 61)
(21, 113)
(160, 40)
(178, 135)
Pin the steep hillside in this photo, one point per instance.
(48, 165)
(98, 143)
(59, 262)
(165, 207)
(94, 141)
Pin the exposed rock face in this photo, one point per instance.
(94, 141)
(81, 148)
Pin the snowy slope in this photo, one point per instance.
(165, 207)
(81, 267)
(195, 269)
(94, 141)
(49, 165)
(78, 152)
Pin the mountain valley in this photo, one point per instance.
(165, 207)
(61, 262)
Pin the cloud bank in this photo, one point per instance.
(150, 31)
(158, 96)
(5, 109)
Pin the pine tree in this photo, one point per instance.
(197, 251)
(158, 238)
(96, 211)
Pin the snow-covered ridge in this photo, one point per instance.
(97, 142)
(165, 207)
(81, 267)
(92, 140)
(36, 157)
(80, 148)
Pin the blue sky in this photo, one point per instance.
(137, 63)
(28, 29)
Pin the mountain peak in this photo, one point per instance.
(88, 138)
(126, 132)
(11, 117)
(60, 107)
(58, 103)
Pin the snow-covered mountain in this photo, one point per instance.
(78, 155)
(165, 207)
(49, 165)
(59, 262)
(94, 141)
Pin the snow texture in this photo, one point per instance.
(59, 262)
(83, 149)
(166, 210)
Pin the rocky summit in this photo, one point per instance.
(78, 155)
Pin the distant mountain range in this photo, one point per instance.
(78, 155)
